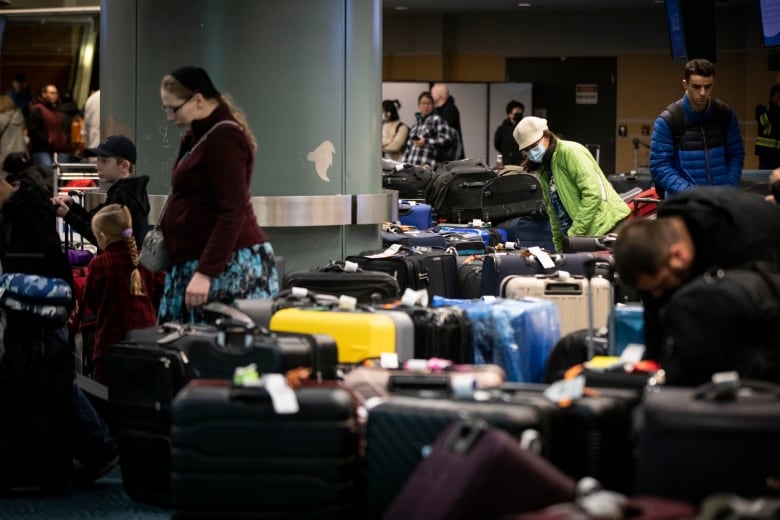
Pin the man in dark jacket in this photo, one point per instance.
(503, 140)
(444, 107)
(695, 231)
(116, 159)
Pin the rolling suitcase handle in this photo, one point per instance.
(590, 271)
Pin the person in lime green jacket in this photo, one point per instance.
(579, 198)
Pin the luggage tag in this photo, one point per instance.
(542, 257)
(412, 298)
(283, 398)
(565, 391)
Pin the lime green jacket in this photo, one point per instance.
(590, 200)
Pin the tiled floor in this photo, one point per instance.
(103, 500)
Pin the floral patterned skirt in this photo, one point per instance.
(251, 273)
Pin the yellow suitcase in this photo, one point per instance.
(359, 335)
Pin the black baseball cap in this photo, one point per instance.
(114, 146)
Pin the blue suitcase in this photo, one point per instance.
(491, 236)
(496, 267)
(413, 239)
(529, 231)
(417, 214)
(516, 335)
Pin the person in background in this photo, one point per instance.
(45, 127)
(218, 252)
(444, 107)
(428, 134)
(394, 131)
(695, 230)
(579, 198)
(72, 121)
(696, 140)
(116, 158)
(774, 186)
(768, 136)
(503, 140)
(117, 288)
(20, 93)
(11, 129)
(91, 128)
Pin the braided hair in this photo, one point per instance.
(116, 223)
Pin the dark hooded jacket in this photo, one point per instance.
(450, 113)
(729, 229)
(29, 242)
(130, 192)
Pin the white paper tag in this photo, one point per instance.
(347, 303)
(390, 251)
(477, 222)
(463, 385)
(410, 298)
(632, 354)
(565, 389)
(388, 360)
(299, 292)
(542, 256)
(283, 397)
(350, 267)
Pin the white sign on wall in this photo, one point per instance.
(587, 94)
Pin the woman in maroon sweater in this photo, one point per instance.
(217, 250)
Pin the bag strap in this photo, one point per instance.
(202, 138)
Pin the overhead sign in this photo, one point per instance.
(587, 94)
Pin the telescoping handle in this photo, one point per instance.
(590, 267)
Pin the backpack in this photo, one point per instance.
(452, 151)
(724, 319)
(674, 115)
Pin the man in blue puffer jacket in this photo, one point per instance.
(696, 140)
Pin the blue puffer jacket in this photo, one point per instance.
(704, 156)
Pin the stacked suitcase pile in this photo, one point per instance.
(378, 425)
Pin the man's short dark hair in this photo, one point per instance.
(699, 67)
(513, 105)
(642, 248)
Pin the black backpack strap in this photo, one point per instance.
(674, 115)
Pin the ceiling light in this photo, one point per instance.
(524, 4)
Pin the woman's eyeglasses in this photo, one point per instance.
(173, 110)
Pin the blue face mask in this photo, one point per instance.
(536, 154)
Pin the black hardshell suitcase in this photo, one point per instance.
(235, 457)
(36, 403)
(401, 430)
(145, 374)
(365, 286)
(441, 332)
(591, 437)
(694, 442)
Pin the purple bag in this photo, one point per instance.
(79, 257)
